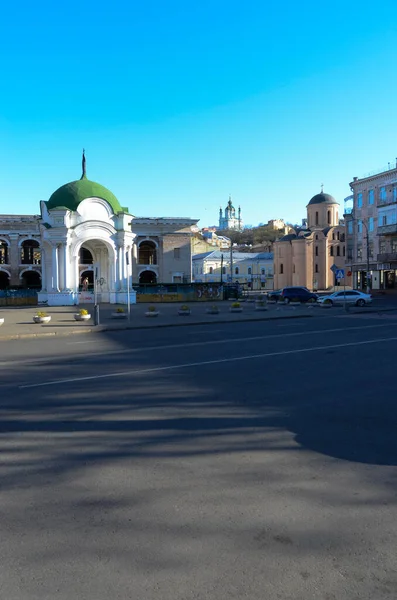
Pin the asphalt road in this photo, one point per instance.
(252, 460)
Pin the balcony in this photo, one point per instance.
(387, 258)
(387, 229)
(387, 201)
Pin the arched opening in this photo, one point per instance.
(31, 279)
(148, 277)
(86, 283)
(30, 253)
(4, 280)
(329, 217)
(4, 253)
(85, 256)
(147, 253)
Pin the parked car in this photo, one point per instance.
(352, 297)
(288, 294)
(274, 295)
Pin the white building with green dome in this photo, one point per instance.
(83, 235)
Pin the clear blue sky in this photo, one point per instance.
(179, 104)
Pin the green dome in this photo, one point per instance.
(71, 194)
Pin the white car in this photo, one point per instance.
(350, 297)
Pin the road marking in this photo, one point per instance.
(203, 363)
(140, 349)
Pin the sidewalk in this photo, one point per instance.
(18, 321)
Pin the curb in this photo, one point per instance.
(102, 328)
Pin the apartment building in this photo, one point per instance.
(371, 228)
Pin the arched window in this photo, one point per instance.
(329, 217)
(3, 253)
(316, 217)
(316, 237)
(85, 257)
(338, 235)
(4, 280)
(31, 279)
(148, 277)
(316, 250)
(281, 268)
(30, 253)
(236, 271)
(316, 269)
(147, 253)
(331, 250)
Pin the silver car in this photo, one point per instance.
(350, 297)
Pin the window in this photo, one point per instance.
(382, 220)
(316, 218)
(350, 227)
(236, 271)
(211, 270)
(333, 236)
(337, 235)
(177, 253)
(350, 253)
(382, 194)
(371, 249)
(316, 237)
(293, 268)
(147, 253)
(359, 252)
(394, 245)
(85, 257)
(263, 272)
(370, 196)
(249, 271)
(329, 217)
(371, 224)
(281, 268)
(316, 268)
(223, 270)
(331, 250)
(359, 200)
(359, 226)
(316, 250)
(344, 250)
(382, 247)
(3, 253)
(394, 193)
(30, 252)
(337, 251)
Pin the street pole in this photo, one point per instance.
(366, 229)
(222, 268)
(127, 260)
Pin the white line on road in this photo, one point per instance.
(157, 348)
(203, 363)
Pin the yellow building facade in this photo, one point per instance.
(305, 256)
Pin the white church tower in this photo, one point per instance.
(230, 221)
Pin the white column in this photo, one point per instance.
(76, 273)
(55, 274)
(120, 269)
(43, 271)
(117, 269)
(65, 282)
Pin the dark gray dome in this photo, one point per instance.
(323, 199)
